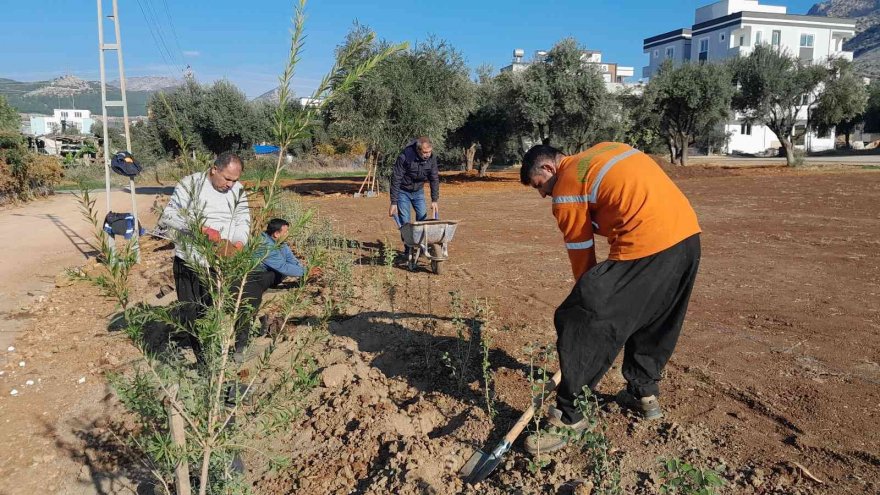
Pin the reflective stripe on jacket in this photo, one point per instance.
(620, 193)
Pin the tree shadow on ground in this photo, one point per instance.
(324, 186)
(159, 338)
(110, 465)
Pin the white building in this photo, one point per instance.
(65, 120)
(611, 72)
(310, 102)
(731, 28)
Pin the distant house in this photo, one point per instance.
(310, 102)
(62, 121)
(732, 28)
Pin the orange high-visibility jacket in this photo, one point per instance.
(620, 193)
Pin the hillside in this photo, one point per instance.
(866, 44)
(73, 92)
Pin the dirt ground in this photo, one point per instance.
(776, 374)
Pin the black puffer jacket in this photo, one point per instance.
(410, 173)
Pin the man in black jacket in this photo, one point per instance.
(415, 165)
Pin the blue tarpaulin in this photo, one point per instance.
(265, 149)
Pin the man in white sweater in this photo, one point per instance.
(219, 200)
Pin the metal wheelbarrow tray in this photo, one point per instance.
(418, 236)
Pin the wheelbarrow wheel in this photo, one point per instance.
(435, 267)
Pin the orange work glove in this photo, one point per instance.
(213, 235)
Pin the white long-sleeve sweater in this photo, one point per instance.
(228, 212)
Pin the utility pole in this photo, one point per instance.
(102, 49)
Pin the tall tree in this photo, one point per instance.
(778, 91)
(578, 94)
(688, 100)
(842, 102)
(216, 117)
(421, 91)
(487, 129)
(560, 100)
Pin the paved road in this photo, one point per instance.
(812, 160)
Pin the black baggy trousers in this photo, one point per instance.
(195, 298)
(638, 305)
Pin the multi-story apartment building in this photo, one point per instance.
(611, 72)
(732, 28)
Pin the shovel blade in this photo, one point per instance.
(479, 467)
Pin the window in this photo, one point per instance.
(742, 40)
(656, 53)
(805, 100)
(807, 40)
(63, 115)
(805, 54)
(776, 38)
(670, 52)
(77, 114)
(745, 129)
(704, 49)
(759, 37)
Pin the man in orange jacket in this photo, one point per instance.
(638, 297)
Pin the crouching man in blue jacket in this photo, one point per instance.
(277, 263)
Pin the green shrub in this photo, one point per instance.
(23, 174)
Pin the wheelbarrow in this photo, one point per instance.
(428, 237)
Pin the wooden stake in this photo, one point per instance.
(178, 436)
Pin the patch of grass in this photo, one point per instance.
(870, 167)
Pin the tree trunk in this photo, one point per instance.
(682, 149)
(469, 154)
(789, 151)
(848, 145)
(484, 166)
(673, 151)
(178, 436)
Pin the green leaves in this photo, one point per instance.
(423, 90)
(9, 119)
(680, 478)
(843, 100)
(772, 88)
(689, 100)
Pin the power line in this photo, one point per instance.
(171, 23)
(165, 57)
(151, 8)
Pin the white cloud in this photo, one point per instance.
(191, 53)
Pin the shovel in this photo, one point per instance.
(481, 464)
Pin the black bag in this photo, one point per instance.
(119, 224)
(123, 164)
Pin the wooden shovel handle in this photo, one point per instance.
(523, 420)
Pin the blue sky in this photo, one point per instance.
(247, 41)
